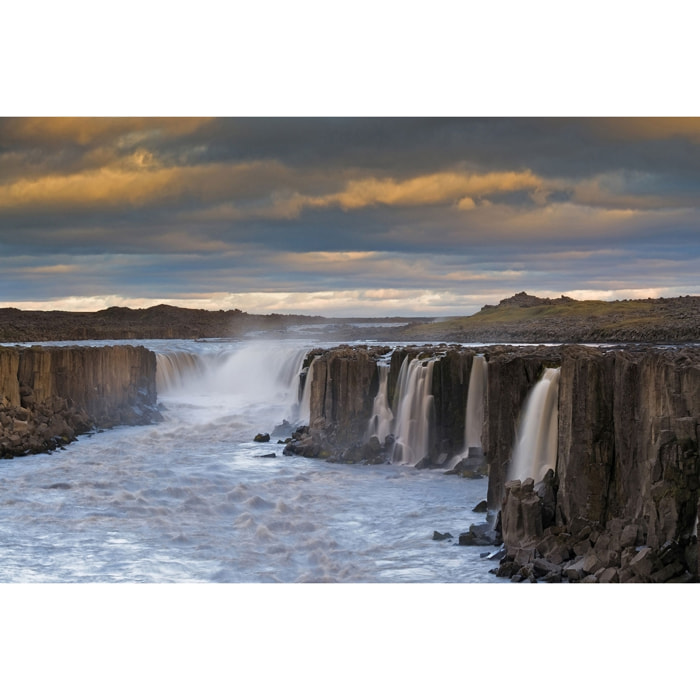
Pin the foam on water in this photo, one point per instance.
(190, 500)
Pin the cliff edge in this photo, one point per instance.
(50, 395)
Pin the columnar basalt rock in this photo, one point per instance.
(586, 450)
(450, 386)
(512, 374)
(657, 418)
(344, 383)
(49, 395)
(628, 466)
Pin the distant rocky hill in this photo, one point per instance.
(116, 323)
(522, 318)
(529, 319)
(164, 321)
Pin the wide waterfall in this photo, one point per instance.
(415, 411)
(175, 368)
(253, 374)
(536, 447)
(381, 422)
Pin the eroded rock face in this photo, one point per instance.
(657, 418)
(628, 464)
(586, 450)
(628, 470)
(344, 383)
(50, 395)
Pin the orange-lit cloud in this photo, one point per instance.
(648, 128)
(138, 180)
(434, 188)
(88, 130)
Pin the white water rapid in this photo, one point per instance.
(536, 446)
(195, 499)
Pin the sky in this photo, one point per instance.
(301, 158)
(345, 216)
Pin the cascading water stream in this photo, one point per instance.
(415, 412)
(476, 399)
(380, 424)
(536, 447)
(304, 413)
(474, 413)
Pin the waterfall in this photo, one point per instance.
(415, 412)
(380, 423)
(174, 369)
(304, 414)
(247, 373)
(474, 413)
(476, 395)
(536, 448)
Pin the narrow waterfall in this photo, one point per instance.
(476, 400)
(304, 413)
(474, 414)
(380, 424)
(415, 412)
(536, 447)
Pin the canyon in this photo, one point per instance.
(618, 500)
(591, 453)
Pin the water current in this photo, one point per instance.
(195, 499)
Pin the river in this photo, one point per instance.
(195, 499)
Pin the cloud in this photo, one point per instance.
(429, 189)
(357, 213)
(648, 128)
(631, 191)
(85, 131)
(138, 181)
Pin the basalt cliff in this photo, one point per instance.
(50, 395)
(617, 498)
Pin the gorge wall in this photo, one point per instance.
(49, 395)
(621, 502)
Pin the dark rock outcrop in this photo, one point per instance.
(628, 464)
(628, 468)
(49, 395)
